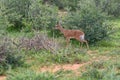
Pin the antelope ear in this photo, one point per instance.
(60, 22)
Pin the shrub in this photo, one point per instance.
(90, 20)
(93, 74)
(98, 71)
(58, 3)
(111, 7)
(38, 42)
(25, 14)
(15, 11)
(8, 56)
(63, 4)
(42, 16)
(3, 20)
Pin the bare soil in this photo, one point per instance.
(73, 67)
(2, 77)
(55, 68)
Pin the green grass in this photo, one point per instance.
(42, 58)
(30, 75)
(104, 58)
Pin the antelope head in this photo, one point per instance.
(58, 26)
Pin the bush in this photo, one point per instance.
(111, 7)
(28, 14)
(42, 16)
(15, 11)
(95, 74)
(8, 56)
(90, 20)
(58, 3)
(63, 4)
(3, 20)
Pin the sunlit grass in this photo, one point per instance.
(104, 58)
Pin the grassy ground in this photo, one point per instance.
(100, 62)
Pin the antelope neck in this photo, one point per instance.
(61, 29)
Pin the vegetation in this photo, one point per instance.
(91, 21)
(9, 58)
(31, 49)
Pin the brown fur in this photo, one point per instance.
(68, 34)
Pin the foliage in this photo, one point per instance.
(21, 13)
(87, 15)
(64, 4)
(42, 16)
(97, 73)
(8, 56)
(111, 7)
(91, 73)
(31, 75)
(90, 20)
(15, 11)
(62, 57)
(37, 42)
(3, 20)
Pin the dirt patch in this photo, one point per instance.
(73, 67)
(55, 68)
(2, 77)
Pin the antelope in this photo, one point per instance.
(76, 34)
